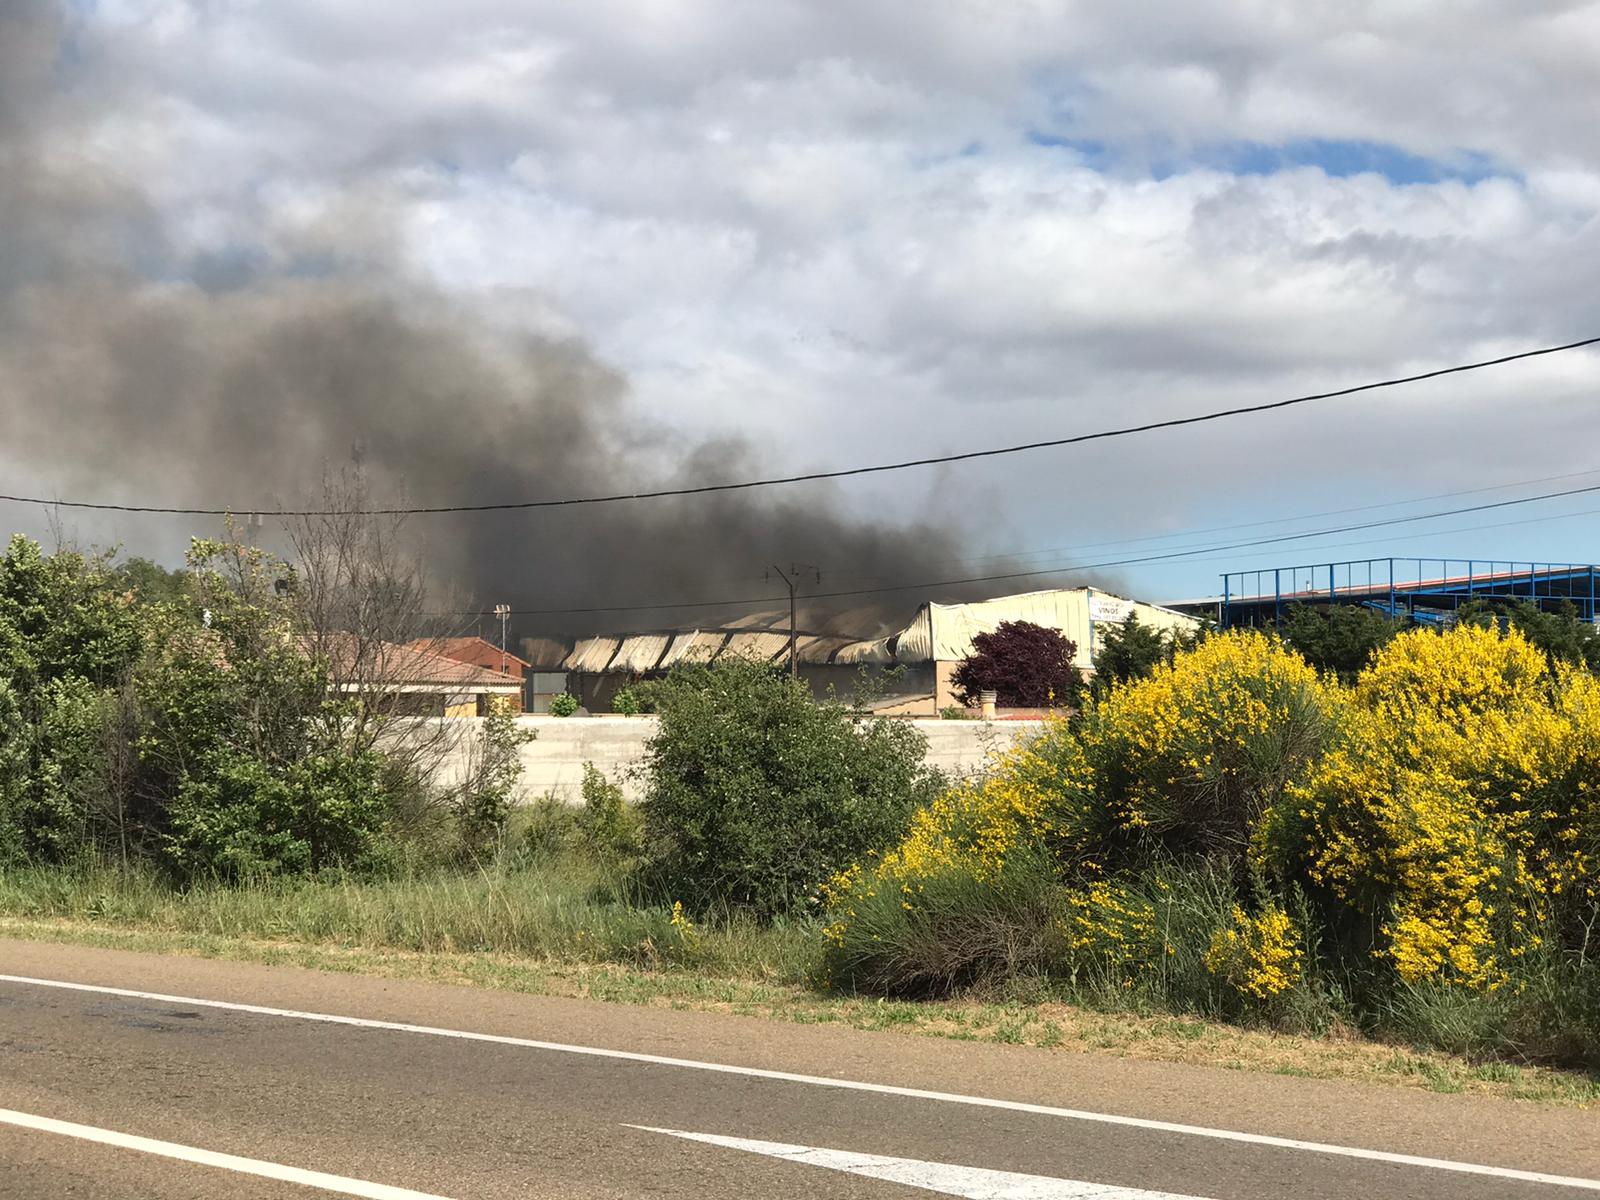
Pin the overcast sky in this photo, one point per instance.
(851, 232)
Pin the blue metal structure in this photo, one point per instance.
(1425, 589)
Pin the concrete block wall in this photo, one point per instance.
(552, 764)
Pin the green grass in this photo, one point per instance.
(564, 927)
(565, 911)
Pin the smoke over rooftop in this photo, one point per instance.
(134, 370)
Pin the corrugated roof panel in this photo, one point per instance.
(815, 649)
(770, 618)
(911, 644)
(864, 652)
(696, 646)
(640, 653)
(760, 647)
(955, 625)
(592, 654)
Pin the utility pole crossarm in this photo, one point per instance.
(791, 579)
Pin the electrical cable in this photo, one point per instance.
(812, 476)
(1188, 533)
(928, 585)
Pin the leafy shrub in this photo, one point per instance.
(483, 799)
(243, 768)
(609, 828)
(755, 793)
(627, 702)
(241, 819)
(948, 930)
(1028, 665)
(62, 615)
(1130, 650)
(15, 827)
(549, 828)
(68, 637)
(71, 784)
(1175, 769)
(954, 712)
(1341, 640)
(563, 705)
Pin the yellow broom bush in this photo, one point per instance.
(1460, 808)
(1434, 825)
(1176, 766)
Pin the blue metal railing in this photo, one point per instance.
(1424, 588)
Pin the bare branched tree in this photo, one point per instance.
(372, 614)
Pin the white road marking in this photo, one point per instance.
(849, 1085)
(976, 1183)
(210, 1158)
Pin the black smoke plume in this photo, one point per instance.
(131, 372)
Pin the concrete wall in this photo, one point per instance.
(553, 762)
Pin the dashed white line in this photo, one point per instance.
(338, 1184)
(951, 1179)
(850, 1085)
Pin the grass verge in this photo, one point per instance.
(564, 931)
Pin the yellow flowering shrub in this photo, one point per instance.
(1177, 765)
(1454, 810)
(1259, 956)
(1112, 925)
(1188, 756)
(1438, 818)
(1193, 755)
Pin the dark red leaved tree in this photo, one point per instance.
(1029, 665)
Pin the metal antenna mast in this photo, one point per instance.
(503, 611)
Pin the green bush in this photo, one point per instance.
(190, 726)
(960, 932)
(1129, 650)
(482, 801)
(237, 818)
(68, 637)
(563, 705)
(549, 829)
(609, 828)
(15, 825)
(755, 793)
(71, 780)
(627, 702)
(1340, 640)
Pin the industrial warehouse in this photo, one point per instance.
(912, 666)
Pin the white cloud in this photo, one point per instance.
(835, 228)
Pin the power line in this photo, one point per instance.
(813, 476)
(1188, 533)
(1077, 569)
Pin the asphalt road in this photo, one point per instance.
(109, 1094)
